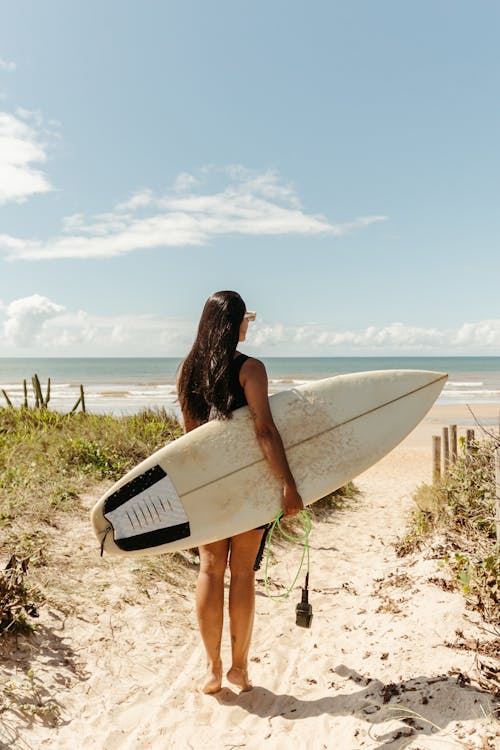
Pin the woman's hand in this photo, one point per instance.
(291, 501)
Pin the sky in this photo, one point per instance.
(337, 163)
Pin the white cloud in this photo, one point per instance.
(138, 200)
(73, 223)
(20, 149)
(38, 326)
(26, 318)
(396, 338)
(484, 333)
(250, 203)
(7, 66)
(184, 181)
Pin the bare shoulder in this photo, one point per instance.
(254, 369)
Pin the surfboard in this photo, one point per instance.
(214, 482)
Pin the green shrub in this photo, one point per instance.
(91, 457)
(461, 507)
(479, 579)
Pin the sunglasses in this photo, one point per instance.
(250, 316)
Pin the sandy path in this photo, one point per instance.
(125, 665)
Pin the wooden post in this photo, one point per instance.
(453, 443)
(497, 483)
(436, 458)
(469, 440)
(25, 389)
(82, 398)
(446, 450)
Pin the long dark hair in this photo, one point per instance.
(203, 382)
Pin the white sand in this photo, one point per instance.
(123, 664)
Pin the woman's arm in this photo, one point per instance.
(253, 378)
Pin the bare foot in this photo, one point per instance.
(213, 679)
(239, 677)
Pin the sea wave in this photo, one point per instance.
(288, 381)
(466, 394)
(158, 391)
(19, 386)
(465, 384)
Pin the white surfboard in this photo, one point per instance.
(214, 482)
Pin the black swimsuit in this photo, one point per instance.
(238, 397)
(236, 390)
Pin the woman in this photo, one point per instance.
(213, 380)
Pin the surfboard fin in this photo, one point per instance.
(105, 532)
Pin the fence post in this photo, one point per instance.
(453, 443)
(82, 397)
(436, 458)
(470, 440)
(446, 450)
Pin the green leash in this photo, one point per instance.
(304, 539)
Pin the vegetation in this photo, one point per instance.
(459, 510)
(47, 458)
(47, 462)
(18, 599)
(349, 493)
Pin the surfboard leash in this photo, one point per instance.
(303, 609)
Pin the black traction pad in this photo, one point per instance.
(153, 537)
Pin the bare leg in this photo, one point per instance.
(244, 548)
(210, 609)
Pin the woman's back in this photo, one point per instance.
(238, 397)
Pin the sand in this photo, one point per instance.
(378, 668)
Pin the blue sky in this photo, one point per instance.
(335, 162)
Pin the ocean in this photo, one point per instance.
(127, 385)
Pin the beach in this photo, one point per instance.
(380, 667)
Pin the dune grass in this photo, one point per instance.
(459, 511)
(47, 461)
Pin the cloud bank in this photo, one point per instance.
(21, 149)
(38, 326)
(7, 66)
(193, 212)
